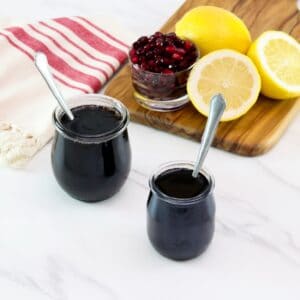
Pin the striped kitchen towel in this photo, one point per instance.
(83, 53)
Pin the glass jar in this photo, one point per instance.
(158, 91)
(91, 167)
(180, 228)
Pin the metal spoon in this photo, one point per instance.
(217, 107)
(41, 63)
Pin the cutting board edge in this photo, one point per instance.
(245, 150)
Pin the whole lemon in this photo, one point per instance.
(212, 28)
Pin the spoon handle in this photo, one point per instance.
(41, 62)
(217, 107)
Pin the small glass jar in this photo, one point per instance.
(158, 91)
(91, 167)
(180, 228)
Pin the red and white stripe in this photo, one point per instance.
(64, 54)
(109, 59)
(76, 51)
(100, 33)
(81, 55)
(30, 53)
(85, 34)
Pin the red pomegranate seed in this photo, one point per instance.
(142, 40)
(187, 45)
(135, 59)
(176, 56)
(180, 51)
(170, 49)
(158, 34)
(168, 61)
(144, 66)
(151, 63)
(132, 52)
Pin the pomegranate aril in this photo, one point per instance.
(135, 45)
(179, 43)
(149, 55)
(187, 45)
(147, 47)
(156, 51)
(143, 40)
(131, 52)
(180, 51)
(168, 61)
(159, 42)
(170, 49)
(177, 56)
(158, 34)
(134, 59)
(139, 51)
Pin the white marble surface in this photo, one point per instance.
(53, 247)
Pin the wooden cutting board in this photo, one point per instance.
(257, 131)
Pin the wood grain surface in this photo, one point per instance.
(257, 131)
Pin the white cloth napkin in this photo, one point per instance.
(83, 53)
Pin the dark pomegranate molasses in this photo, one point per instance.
(181, 211)
(179, 183)
(91, 120)
(91, 154)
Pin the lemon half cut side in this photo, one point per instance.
(277, 58)
(229, 73)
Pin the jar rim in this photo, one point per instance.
(92, 99)
(181, 201)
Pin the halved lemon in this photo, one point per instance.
(277, 58)
(227, 72)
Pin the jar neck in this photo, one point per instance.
(181, 201)
(97, 100)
